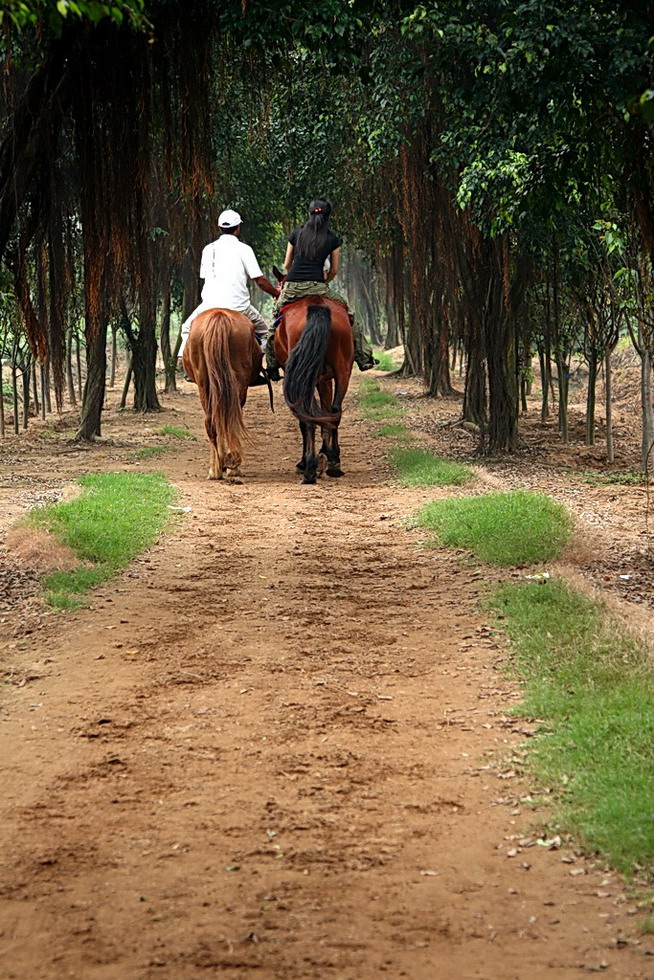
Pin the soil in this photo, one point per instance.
(280, 746)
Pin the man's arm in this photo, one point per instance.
(267, 287)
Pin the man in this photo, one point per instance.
(226, 266)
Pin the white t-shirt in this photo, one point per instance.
(226, 266)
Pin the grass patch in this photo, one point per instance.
(386, 362)
(176, 431)
(593, 686)
(631, 478)
(378, 399)
(518, 528)
(395, 431)
(376, 404)
(63, 589)
(116, 516)
(150, 452)
(419, 468)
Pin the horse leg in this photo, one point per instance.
(325, 389)
(306, 448)
(232, 465)
(215, 463)
(309, 458)
(331, 447)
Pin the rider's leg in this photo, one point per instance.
(272, 364)
(186, 331)
(363, 354)
(260, 326)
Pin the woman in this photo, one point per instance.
(312, 260)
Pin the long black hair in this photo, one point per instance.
(313, 233)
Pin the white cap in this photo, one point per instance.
(229, 219)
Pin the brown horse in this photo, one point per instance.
(314, 345)
(223, 358)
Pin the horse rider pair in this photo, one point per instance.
(312, 260)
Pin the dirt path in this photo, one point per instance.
(278, 747)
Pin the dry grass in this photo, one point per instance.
(39, 551)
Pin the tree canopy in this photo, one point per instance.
(477, 154)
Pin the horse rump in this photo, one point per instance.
(306, 365)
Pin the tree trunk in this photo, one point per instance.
(114, 353)
(94, 389)
(128, 379)
(47, 399)
(143, 348)
(647, 441)
(608, 396)
(563, 382)
(591, 399)
(474, 398)
(35, 387)
(144, 356)
(503, 400)
(2, 404)
(14, 395)
(545, 371)
(523, 391)
(443, 377)
(169, 361)
(44, 401)
(27, 375)
(70, 381)
(78, 344)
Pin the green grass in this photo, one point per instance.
(378, 399)
(395, 431)
(630, 478)
(63, 589)
(419, 468)
(150, 452)
(386, 362)
(116, 516)
(517, 528)
(376, 404)
(176, 431)
(593, 687)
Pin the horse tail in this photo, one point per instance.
(224, 411)
(304, 367)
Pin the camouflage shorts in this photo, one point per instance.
(299, 290)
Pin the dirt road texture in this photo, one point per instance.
(279, 746)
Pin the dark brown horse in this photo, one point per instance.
(223, 358)
(314, 345)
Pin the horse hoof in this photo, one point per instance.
(309, 479)
(335, 471)
(214, 476)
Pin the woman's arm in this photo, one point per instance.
(334, 262)
(288, 259)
